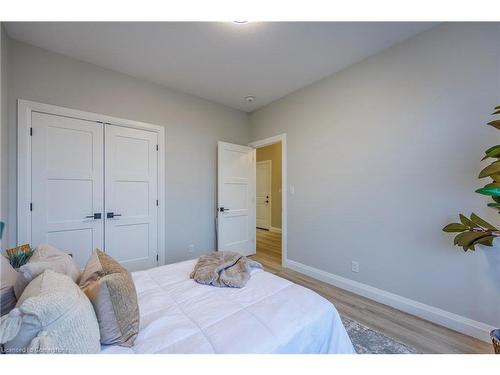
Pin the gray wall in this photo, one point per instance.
(383, 154)
(193, 127)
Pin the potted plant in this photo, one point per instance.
(475, 231)
(19, 255)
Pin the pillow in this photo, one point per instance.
(7, 299)
(111, 290)
(8, 273)
(7, 281)
(52, 316)
(45, 257)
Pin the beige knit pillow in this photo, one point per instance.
(45, 257)
(111, 290)
(52, 316)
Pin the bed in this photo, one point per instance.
(268, 315)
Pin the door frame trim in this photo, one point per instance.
(280, 138)
(269, 189)
(24, 111)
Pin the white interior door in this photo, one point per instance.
(236, 198)
(67, 184)
(263, 194)
(131, 211)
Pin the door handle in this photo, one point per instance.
(95, 216)
(222, 209)
(111, 215)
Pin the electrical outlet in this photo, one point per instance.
(191, 248)
(354, 266)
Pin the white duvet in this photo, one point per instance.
(268, 315)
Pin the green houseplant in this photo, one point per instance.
(473, 231)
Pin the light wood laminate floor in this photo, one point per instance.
(425, 336)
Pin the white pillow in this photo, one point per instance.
(52, 316)
(8, 273)
(45, 257)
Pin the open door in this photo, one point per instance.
(236, 198)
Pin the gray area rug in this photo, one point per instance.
(368, 341)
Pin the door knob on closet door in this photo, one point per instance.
(111, 215)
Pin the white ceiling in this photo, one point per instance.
(220, 61)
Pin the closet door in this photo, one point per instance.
(67, 184)
(131, 175)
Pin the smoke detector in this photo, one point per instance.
(250, 99)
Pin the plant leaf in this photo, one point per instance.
(455, 227)
(476, 219)
(496, 198)
(490, 189)
(496, 112)
(467, 239)
(493, 168)
(495, 177)
(492, 152)
(491, 149)
(494, 205)
(495, 123)
(467, 222)
(492, 185)
(486, 241)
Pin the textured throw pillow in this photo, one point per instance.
(8, 279)
(52, 316)
(45, 257)
(7, 273)
(111, 290)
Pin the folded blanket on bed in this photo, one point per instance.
(223, 269)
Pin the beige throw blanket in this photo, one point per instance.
(223, 269)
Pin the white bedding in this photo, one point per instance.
(268, 315)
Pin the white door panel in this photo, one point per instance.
(67, 184)
(263, 194)
(236, 198)
(131, 196)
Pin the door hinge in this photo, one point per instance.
(157, 202)
(156, 147)
(31, 132)
(157, 258)
(31, 206)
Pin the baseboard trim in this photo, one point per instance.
(433, 314)
(274, 229)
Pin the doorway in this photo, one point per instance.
(269, 204)
(263, 192)
(236, 222)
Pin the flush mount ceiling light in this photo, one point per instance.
(240, 22)
(250, 99)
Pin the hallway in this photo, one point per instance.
(268, 248)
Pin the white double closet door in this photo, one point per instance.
(94, 186)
